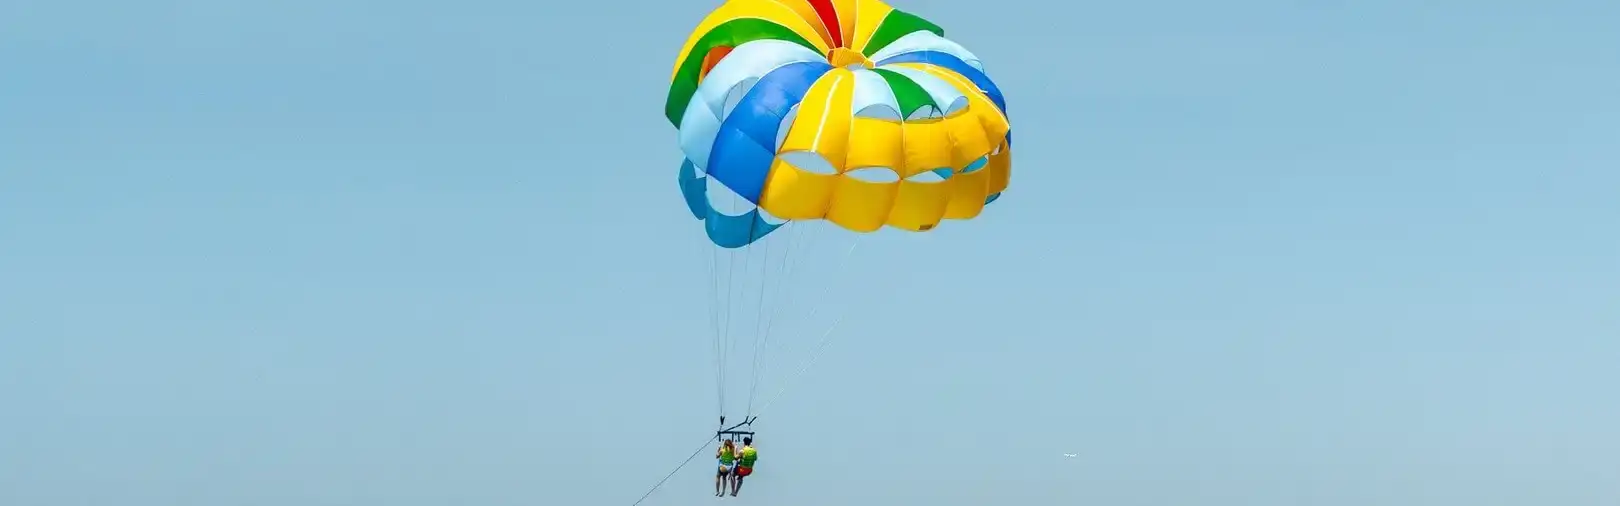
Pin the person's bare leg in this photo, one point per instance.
(719, 484)
(736, 484)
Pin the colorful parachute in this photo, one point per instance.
(793, 114)
(844, 110)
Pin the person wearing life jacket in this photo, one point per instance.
(727, 454)
(745, 464)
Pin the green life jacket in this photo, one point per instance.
(727, 457)
(749, 455)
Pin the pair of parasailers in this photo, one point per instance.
(735, 464)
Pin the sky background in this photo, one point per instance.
(406, 253)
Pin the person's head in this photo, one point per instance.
(729, 445)
(748, 441)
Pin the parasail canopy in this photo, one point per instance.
(847, 111)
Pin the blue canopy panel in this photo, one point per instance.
(746, 143)
(724, 230)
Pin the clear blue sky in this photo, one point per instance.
(1255, 253)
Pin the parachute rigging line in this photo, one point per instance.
(763, 324)
(714, 325)
(759, 311)
(825, 289)
(826, 339)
